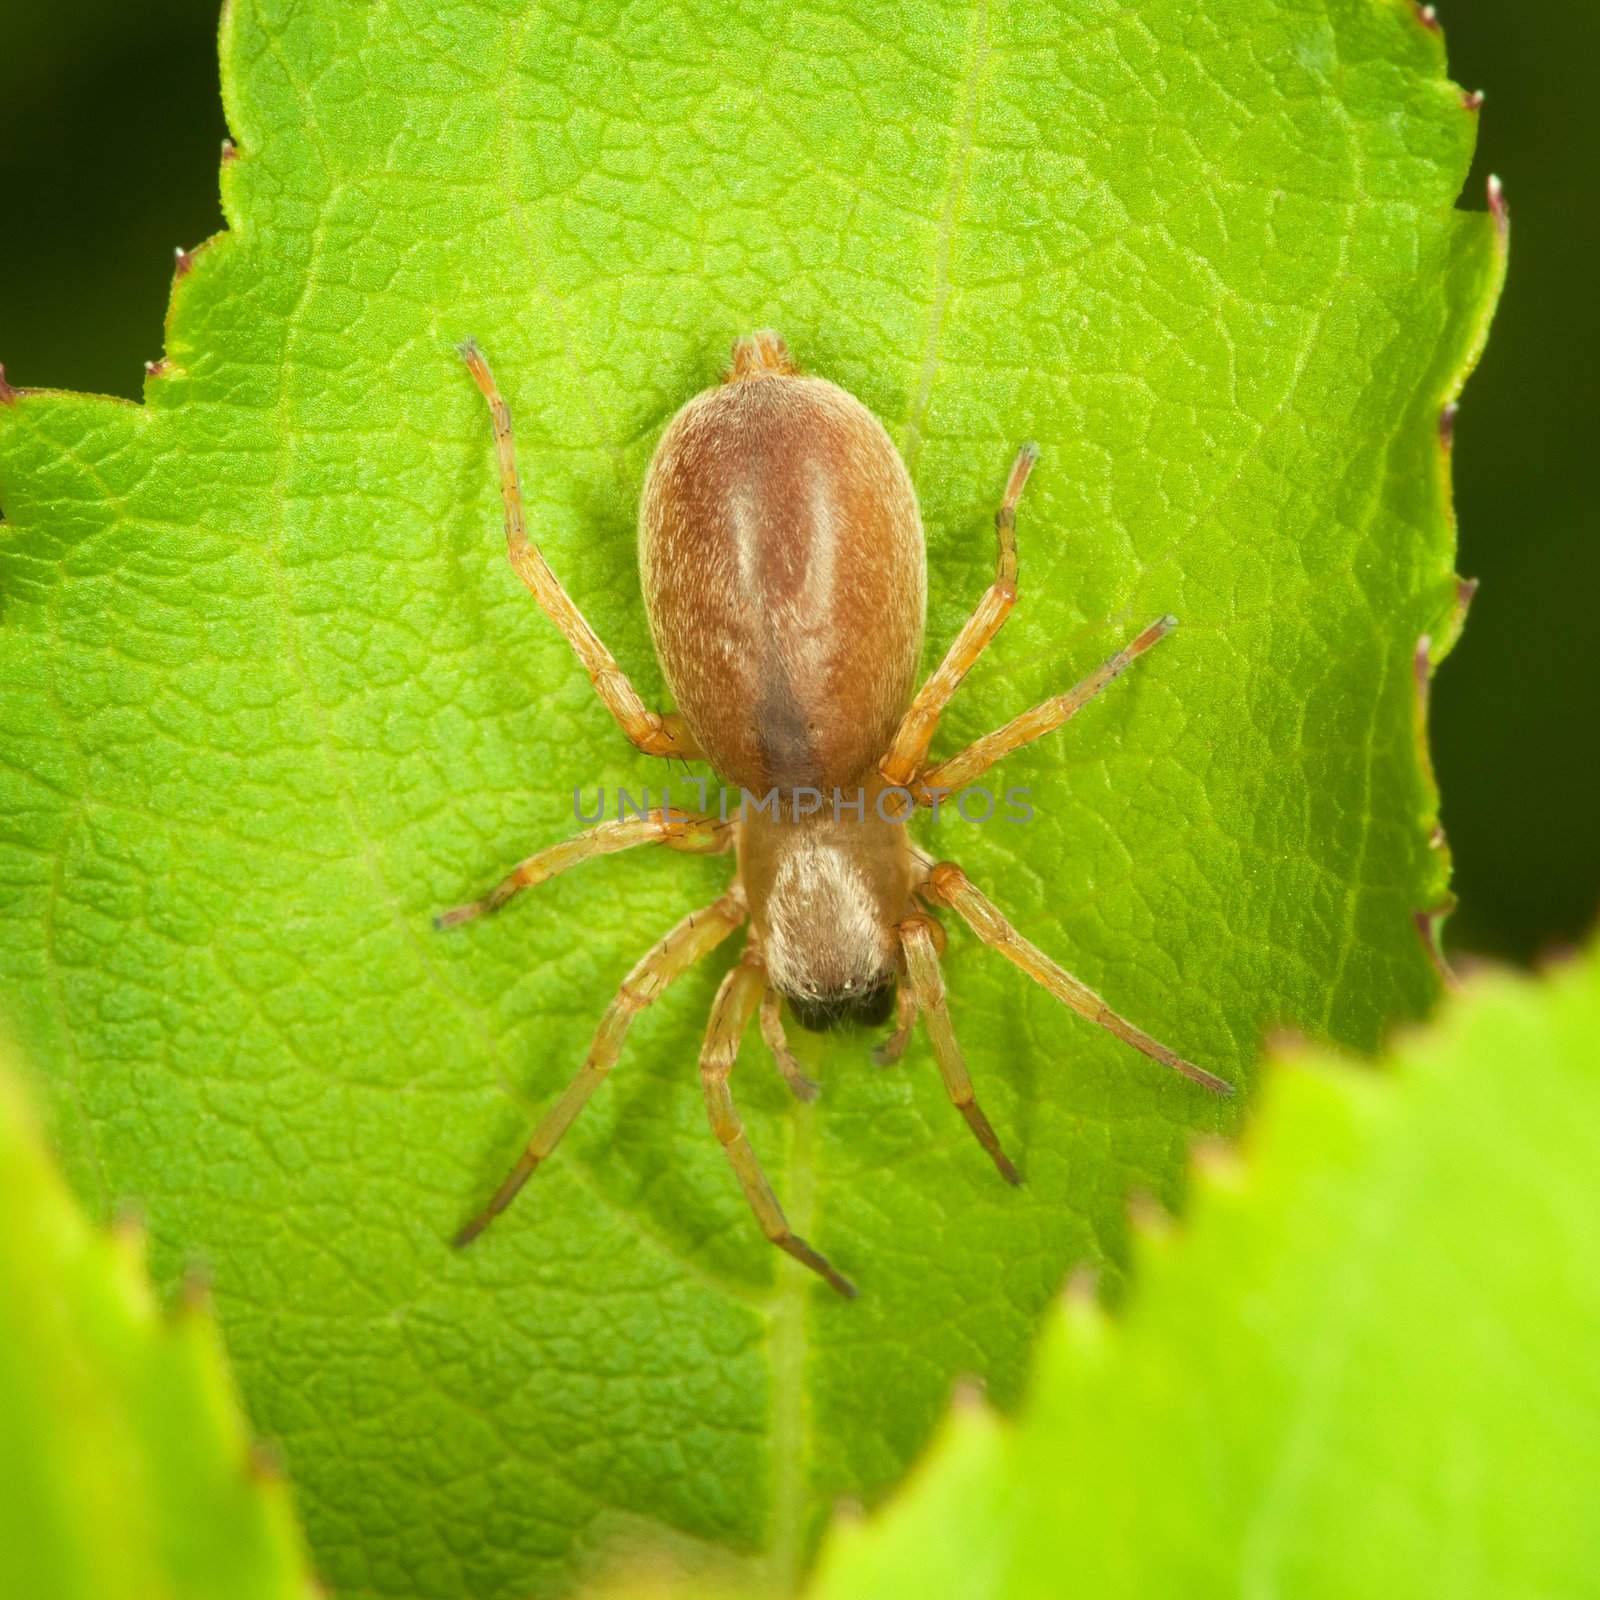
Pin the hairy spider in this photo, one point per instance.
(781, 556)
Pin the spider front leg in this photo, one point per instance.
(909, 747)
(927, 986)
(699, 932)
(905, 1019)
(655, 734)
(948, 885)
(778, 1045)
(736, 1002)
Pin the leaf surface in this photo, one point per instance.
(126, 1470)
(1361, 1367)
(273, 697)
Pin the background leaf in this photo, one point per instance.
(126, 1471)
(1361, 1368)
(273, 697)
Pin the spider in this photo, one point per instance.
(781, 557)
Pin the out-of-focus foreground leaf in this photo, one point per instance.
(1363, 1366)
(271, 697)
(126, 1471)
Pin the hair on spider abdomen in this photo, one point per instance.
(781, 557)
(784, 577)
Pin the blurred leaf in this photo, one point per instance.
(125, 1468)
(1364, 1366)
(272, 697)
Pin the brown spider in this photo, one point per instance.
(781, 555)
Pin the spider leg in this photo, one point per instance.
(672, 955)
(675, 829)
(911, 740)
(736, 1002)
(948, 885)
(905, 1019)
(778, 1044)
(977, 758)
(653, 733)
(927, 985)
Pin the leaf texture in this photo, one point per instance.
(126, 1469)
(272, 697)
(1360, 1368)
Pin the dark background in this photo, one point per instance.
(109, 133)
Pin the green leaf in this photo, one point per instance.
(125, 1467)
(1364, 1366)
(272, 697)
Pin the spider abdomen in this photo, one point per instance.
(781, 557)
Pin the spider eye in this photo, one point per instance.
(864, 1005)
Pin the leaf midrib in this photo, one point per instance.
(964, 138)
